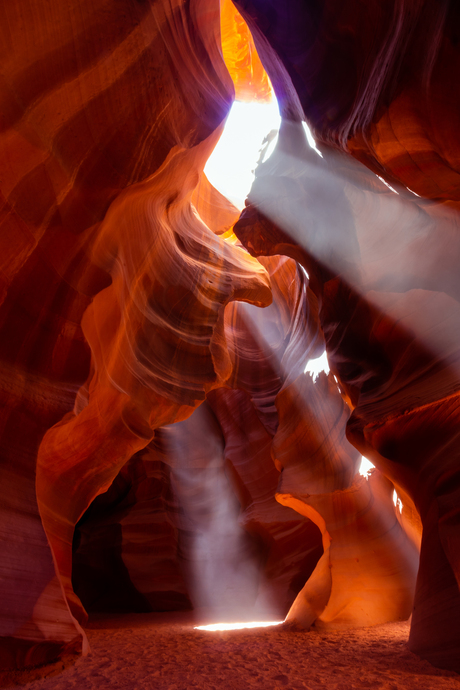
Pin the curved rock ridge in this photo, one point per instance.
(214, 209)
(367, 573)
(390, 323)
(95, 98)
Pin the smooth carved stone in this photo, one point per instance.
(271, 346)
(214, 209)
(372, 563)
(310, 443)
(94, 99)
(367, 573)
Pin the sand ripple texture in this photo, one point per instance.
(165, 652)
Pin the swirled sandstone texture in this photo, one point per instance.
(98, 98)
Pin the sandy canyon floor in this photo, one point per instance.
(165, 652)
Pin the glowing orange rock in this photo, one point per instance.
(215, 210)
(241, 58)
(94, 100)
(367, 573)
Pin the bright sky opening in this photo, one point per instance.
(231, 165)
(365, 467)
(316, 366)
(237, 626)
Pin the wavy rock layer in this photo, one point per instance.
(98, 98)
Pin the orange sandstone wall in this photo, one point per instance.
(98, 98)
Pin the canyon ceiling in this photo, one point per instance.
(156, 419)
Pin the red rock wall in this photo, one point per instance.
(97, 98)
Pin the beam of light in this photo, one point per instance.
(386, 246)
(238, 626)
(249, 138)
(222, 570)
(250, 132)
(316, 366)
(366, 467)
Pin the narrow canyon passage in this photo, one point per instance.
(163, 445)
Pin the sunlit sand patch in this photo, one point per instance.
(237, 626)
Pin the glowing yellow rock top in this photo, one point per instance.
(249, 76)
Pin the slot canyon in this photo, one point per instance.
(168, 454)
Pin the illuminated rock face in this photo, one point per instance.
(97, 99)
(136, 360)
